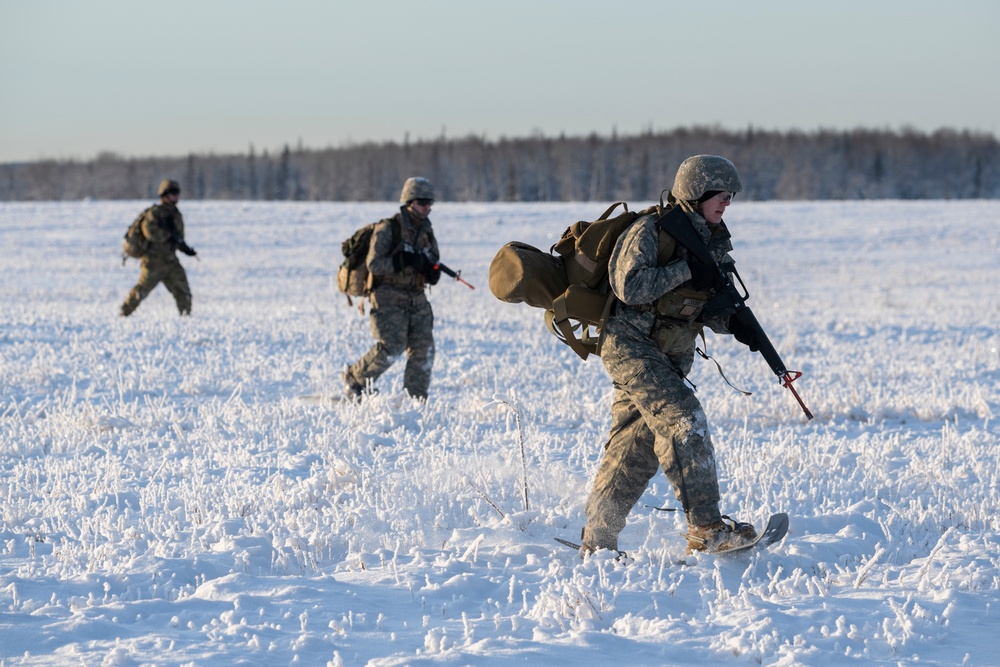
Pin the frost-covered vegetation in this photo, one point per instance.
(166, 496)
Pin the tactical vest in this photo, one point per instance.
(417, 240)
(682, 303)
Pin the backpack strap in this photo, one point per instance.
(565, 330)
(612, 208)
(397, 228)
(671, 200)
(561, 325)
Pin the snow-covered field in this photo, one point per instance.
(167, 499)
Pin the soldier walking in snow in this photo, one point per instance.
(163, 229)
(402, 260)
(657, 421)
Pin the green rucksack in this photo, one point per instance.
(352, 276)
(570, 281)
(135, 244)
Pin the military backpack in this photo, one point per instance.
(135, 244)
(352, 276)
(570, 282)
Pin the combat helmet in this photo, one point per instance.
(705, 173)
(416, 187)
(167, 186)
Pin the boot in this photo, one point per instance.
(352, 388)
(720, 536)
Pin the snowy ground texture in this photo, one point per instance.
(166, 498)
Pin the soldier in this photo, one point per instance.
(163, 228)
(402, 260)
(657, 422)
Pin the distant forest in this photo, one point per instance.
(856, 164)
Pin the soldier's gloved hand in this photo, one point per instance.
(743, 333)
(186, 249)
(419, 262)
(414, 260)
(702, 275)
(433, 274)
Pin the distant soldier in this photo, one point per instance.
(402, 260)
(163, 227)
(656, 419)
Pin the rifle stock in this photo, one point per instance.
(728, 298)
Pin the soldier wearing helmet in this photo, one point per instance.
(648, 350)
(402, 261)
(163, 227)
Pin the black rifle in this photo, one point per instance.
(438, 266)
(728, 298)
(182, 246)
(171, 228)
(457, 275)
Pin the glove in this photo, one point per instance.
(702, 275)
(415, 260)
(433, 274)
(186, 249)
(743, 333)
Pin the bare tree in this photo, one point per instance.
(825, 164)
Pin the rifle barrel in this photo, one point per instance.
(771, 356)
(457, 275)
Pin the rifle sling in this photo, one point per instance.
(677, 224)
(705, 355)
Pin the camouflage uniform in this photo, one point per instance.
(162, 227)
(401, 316)
(657, 421)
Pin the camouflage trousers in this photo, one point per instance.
(656, 422)
(401, 321)
(153, 272)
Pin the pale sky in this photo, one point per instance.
(171, 77)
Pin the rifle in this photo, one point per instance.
(437, 265)
(728, 298)
(171, 228)
(184, 247)
(457, 275)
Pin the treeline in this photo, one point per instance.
(857, 164)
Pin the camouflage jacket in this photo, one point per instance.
(416, 235)
(649, 273)
(162, 227)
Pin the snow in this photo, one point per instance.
(166, 498)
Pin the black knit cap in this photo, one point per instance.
(708, 195)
